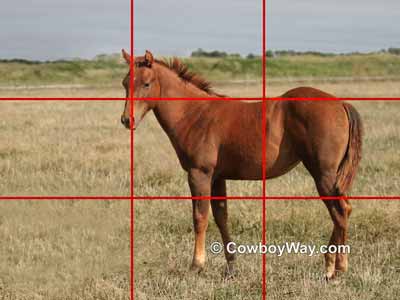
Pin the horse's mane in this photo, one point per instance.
(182, 70)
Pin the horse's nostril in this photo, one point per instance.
(125, 121)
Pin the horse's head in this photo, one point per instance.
(146, 85)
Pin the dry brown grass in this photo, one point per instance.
(80, 250)
(53, 250)
(339, 88)
(64, 91)
(157, 170)
(163, 250)
(63, 148)
(374, 261)
(164, 237)
(164, 241)
(379, 171)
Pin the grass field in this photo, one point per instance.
(374, 261)
(163, 250)
(164, 241)
(379, 169)
(80, 250)
(63, 148)
(334, 66)
(108, 70)
(163, 228)
(64, 250)
(158, 171)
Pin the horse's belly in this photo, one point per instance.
(250, 171)
(277, 171)
(280, 161)
(240, 167)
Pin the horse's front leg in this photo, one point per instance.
(220, 212)
(200, 185)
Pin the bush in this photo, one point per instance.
(269, 53)
(395, 51)
(202, 53)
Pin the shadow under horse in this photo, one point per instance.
(222, 140)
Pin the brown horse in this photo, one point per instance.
(220, 140)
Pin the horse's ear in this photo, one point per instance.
(126, 56)
(148, 57)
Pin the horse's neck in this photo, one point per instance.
(174, 87)
(176, 118)
(172, 113)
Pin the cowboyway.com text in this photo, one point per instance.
(279, 250)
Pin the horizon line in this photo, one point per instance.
(293, 51)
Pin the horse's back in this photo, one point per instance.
(306, 92)
(317, 110)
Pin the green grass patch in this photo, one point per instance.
(110, 70)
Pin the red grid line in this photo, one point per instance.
(197, 197)
(202, 99)
(267, 198)
(131, 117)
(132, 198)
(132, 236)
(271, 98)
(65, 198)
(149, 198)
(61, 98)
(353, 198)
(264, 151)
(334, 99)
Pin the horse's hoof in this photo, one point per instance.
(196, 268)
(330, 276)
(327, 278)
(334, 277)
(230, 271)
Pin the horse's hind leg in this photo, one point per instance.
(220, 212)
(339, 210)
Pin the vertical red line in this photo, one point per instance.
(264, 103)
(131, 88)
(263, 50)
(264, 146)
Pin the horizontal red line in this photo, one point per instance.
(200, 99)
(267, 198)
(334, 99)
(271, 99)
(60, 98)
(64, 198)
(197, 198)
(124, 99)
(334, 198)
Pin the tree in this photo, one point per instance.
(269, 53)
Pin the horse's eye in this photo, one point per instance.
(147, 85)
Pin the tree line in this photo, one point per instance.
(276, 53)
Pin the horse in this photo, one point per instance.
(217, 141)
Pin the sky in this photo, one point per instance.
(64, 29)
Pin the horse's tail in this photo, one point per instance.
(348, 167)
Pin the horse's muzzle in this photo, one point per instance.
(125, 122)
